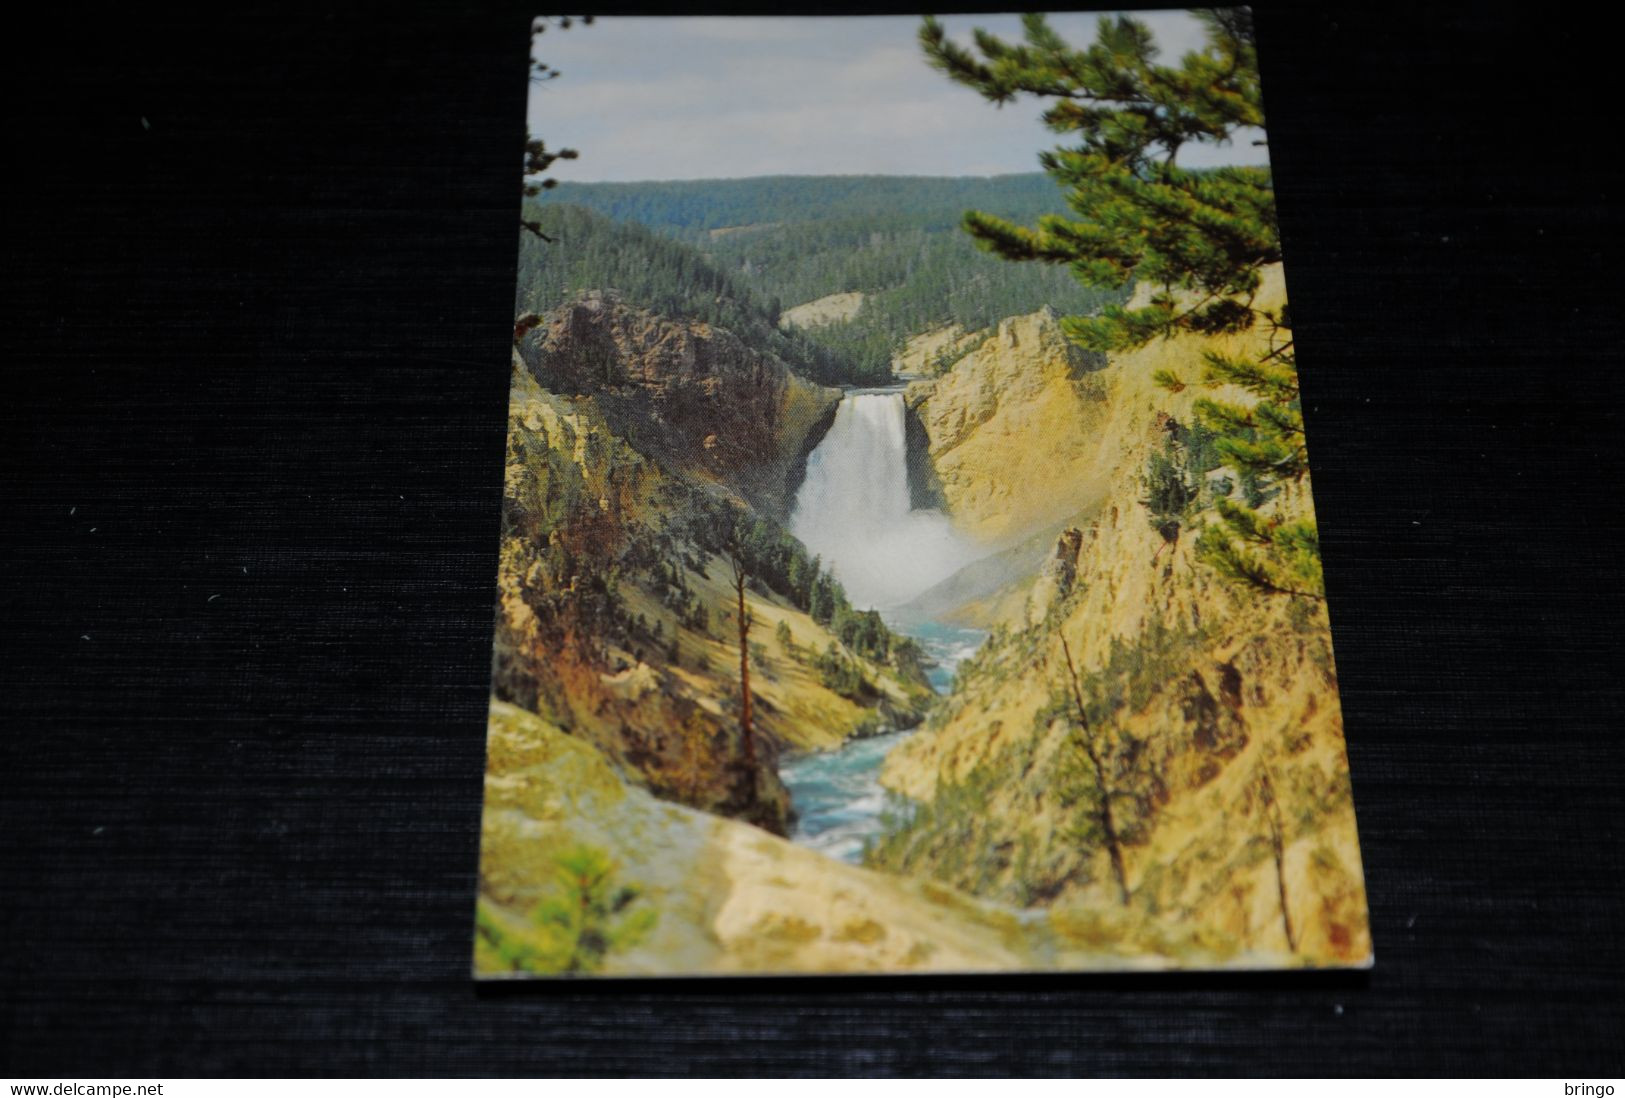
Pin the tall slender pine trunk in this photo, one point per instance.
(744, 673)
(1108, 824)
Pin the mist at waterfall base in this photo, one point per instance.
(853, 511)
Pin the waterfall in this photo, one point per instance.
(853, 509)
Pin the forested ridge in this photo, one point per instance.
(585, 251)
(739, 252)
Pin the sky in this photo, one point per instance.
(688, 97)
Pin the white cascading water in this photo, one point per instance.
(853, 509)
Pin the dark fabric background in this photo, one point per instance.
(256, 369)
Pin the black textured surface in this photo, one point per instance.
(256, 365)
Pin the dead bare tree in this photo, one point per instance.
(1272, 819)
(741, 576)
(1086, 741)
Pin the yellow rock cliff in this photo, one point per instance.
(1223, 734)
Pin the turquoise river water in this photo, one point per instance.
(837, 795)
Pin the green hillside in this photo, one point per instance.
(787, 240)
(700, 205)
(589, 252)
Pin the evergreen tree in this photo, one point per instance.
(1200, 238)
(538, 157)
(1102, 826)
(582, 919)
(743, 618)
(795, 239)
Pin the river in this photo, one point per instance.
(853, 511)
(837, 795)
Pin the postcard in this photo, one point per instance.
(908, 560)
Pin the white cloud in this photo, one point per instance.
(717, 97)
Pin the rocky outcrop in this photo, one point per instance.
(696, 894)
(1057, 576)
(830, 309)
(931, 353)
(924, 486)
(692, 396)
(1013, 432)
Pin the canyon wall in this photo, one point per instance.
(616, 613)
(1014, 430)
(1214, 708)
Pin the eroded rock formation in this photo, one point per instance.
(692, 396)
